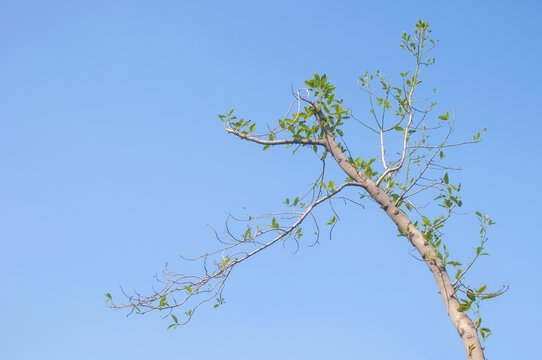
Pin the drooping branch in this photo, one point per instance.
(178, 289)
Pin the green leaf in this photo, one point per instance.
(485, 332)
(426, 221)
(446, 179)
(454, 263)
(163, 301)
(482, 289)
(266, 147)
(458, 273)
(174, 318)
(445, 116)
(108, 295)
(188, 288)
(219, 301)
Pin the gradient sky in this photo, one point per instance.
(112, 162)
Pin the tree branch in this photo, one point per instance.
(276, 142)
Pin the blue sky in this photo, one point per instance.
(113, 161)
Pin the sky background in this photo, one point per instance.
(112, 162)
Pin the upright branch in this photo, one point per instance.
(412, 169)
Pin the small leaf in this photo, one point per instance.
(446, 179)
(458, 273)
(445, 116)
(426, 221)
(454, 263)
(485, 332)
(188, 288)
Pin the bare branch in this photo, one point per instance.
(211, 285)
(318, 142)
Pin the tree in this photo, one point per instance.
(411, 169)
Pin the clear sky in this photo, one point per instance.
(112, 162)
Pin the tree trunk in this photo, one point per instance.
(464, 325)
